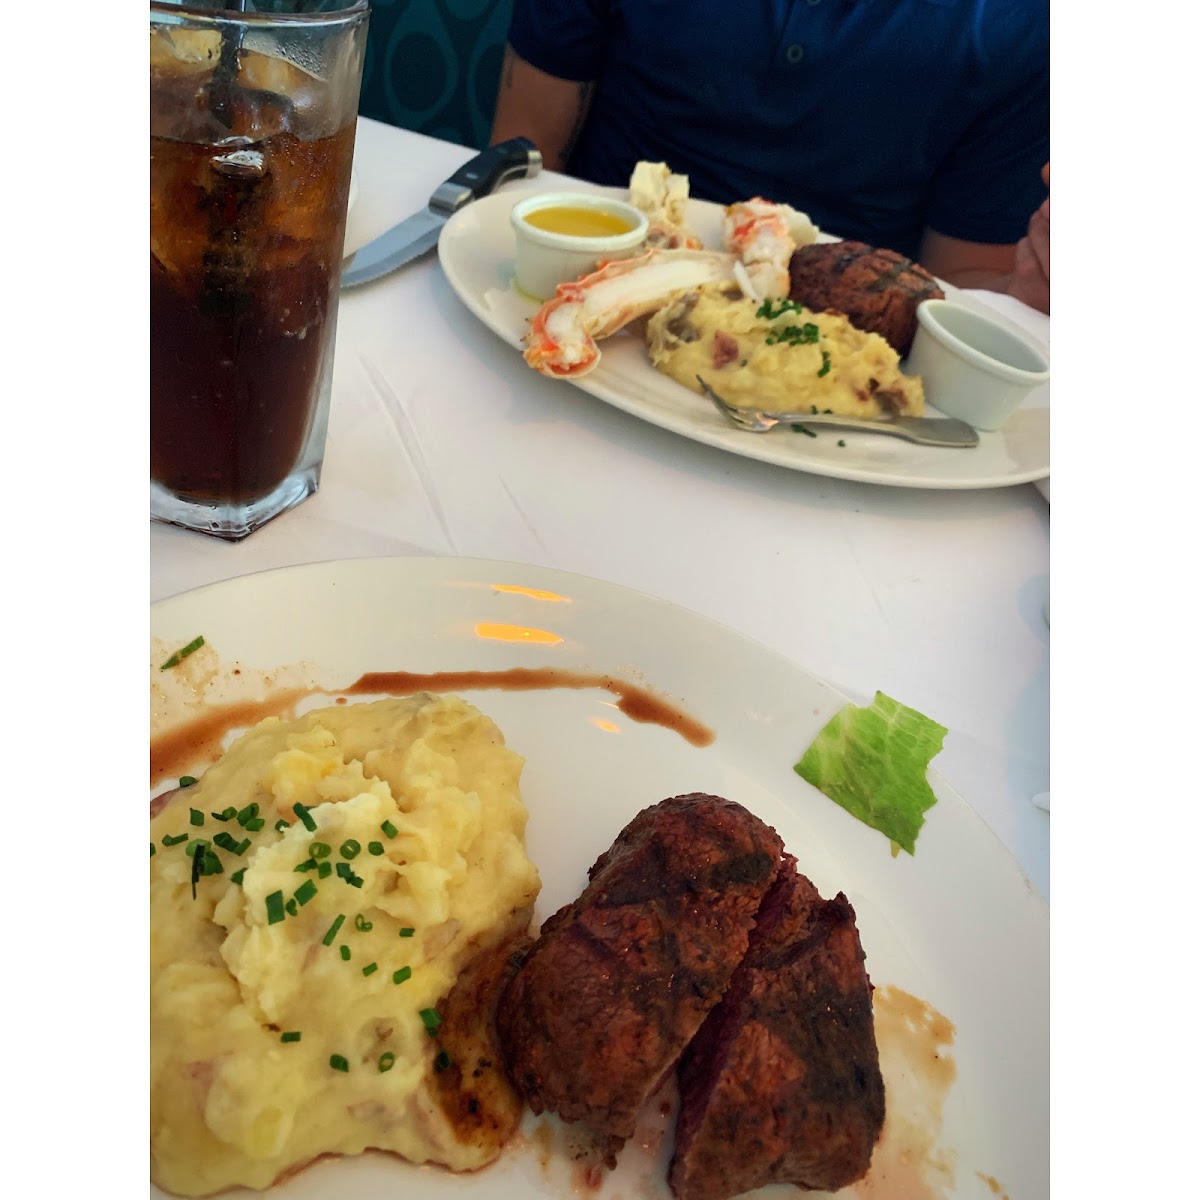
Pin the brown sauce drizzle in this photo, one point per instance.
(637, 703)
(200, 739)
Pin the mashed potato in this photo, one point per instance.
(779, 356)
(426, 790)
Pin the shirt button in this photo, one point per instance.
(794, 53)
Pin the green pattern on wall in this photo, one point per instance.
(433, 66)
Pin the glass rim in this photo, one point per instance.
(352, 9)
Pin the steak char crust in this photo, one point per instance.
(621, 979)
(877, 290)
(782, 1083)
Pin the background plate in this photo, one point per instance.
(957, 925)
(476, 250)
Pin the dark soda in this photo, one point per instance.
(246, 238)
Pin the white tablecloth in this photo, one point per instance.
(442, 441)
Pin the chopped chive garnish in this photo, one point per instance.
(180, 655)
(226, 814)
(841, 442)
(291, 908)
(349, 849)
(302, 812)
(226, 842)
(345, 952)
(375, 848)
(408, 931)
(197, 866)
(211, 864)
(292, 1035)
(345, 871)
(389, 829)
(248, 813)
(324, 870)
(804, 429)
(193, 848)
(254, 824)
(186, 780)
(338, 1063)
(306, 891)
(442, 1061)
(306, 865)
(238, 875)
(242, 846)
(195, 816)
(827, 362)
(319, 850)
(274, 908)
(401, 975)
(370, 968)
(153, 849)
(281, 826)
(337, 924)
(387, 1061)
(168, 840)
(362, 924)
(431, 1020)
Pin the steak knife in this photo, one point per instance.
(518, 158)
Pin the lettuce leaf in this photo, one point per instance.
(872, 761)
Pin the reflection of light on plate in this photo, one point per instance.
(532, 593)
(516, 633)
(607, 726)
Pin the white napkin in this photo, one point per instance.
(1042, 800)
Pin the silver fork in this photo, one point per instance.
(924, 431)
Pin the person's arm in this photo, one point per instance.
(549, 110)
(1021, 270)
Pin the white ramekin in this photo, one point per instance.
(972, 367)
(544, 259)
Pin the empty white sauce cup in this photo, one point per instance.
(972, 367)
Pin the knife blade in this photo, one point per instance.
(518, 158)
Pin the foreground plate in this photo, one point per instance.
(476, 250)
(957, 925)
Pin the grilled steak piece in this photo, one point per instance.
(878, 290)
(620, 980)
(782, 1083)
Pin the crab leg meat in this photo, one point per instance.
(561, 340)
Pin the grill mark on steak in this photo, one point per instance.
(782, 1083)
(620, 980)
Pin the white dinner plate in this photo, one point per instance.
(956, 925)
(476, 249)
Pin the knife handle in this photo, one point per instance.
(518, 158)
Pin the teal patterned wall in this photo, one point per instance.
(433, 65)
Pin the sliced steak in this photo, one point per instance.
(620, 980)
(782, 1083)
(878, 290)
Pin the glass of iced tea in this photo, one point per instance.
(252, 116)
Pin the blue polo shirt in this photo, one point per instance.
(876, 117)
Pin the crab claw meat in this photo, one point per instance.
(759, 233)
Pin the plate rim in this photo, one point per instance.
(759, 450)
